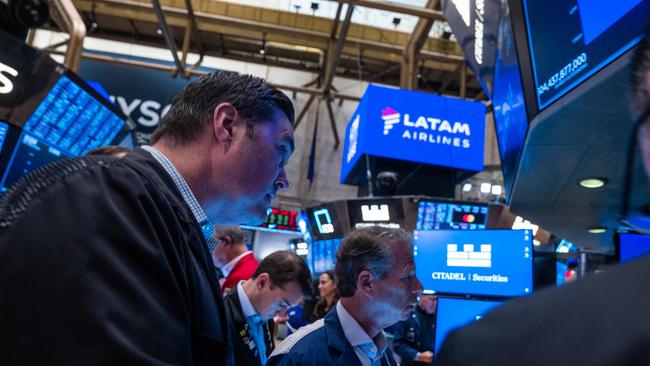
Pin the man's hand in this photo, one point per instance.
(426, 357)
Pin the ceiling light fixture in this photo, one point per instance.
(592, 182)
(597, 230)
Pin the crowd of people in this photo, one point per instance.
(111, 260)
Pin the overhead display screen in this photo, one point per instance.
(456, 313)
(451, 216)
(324, 223)
(383, 212)
(510, 118)
(281, 220)
(323, 254)
(479, 262)
(632, 246)
(572, 40)
(68, 122)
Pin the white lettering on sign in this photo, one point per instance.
(354, 134)
(6, 85)
(418, 128)
(478, 31)
(151, 111)
(451, 276)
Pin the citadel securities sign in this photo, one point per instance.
(418, 127)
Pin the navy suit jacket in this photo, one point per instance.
(322, 343)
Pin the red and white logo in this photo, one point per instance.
(390, 117)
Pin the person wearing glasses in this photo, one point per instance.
(376, 280)
(280, 282)
(602, 320)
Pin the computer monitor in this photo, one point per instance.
(438, 215)
(455, 313)
(385, 212)
(323, 255)
(324, 222)
(632, 246)
(475, 262)
(67, 122)
(571, 40)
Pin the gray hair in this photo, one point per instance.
(368, 249)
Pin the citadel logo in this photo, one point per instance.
(417, 129)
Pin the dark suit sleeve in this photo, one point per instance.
(401, 346)
(90, 274)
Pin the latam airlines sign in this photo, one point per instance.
(417, 127)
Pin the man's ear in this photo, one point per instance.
(262, 281)
(223, 120)
(227, 240)
(364, 281)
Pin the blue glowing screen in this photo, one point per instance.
(509, 107)
(324, 254)
(632, 246)
(475, 262)
(451, 216)
(572, 40)
(456, 313)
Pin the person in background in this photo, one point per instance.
(328, 295)
(110, 150)
(232, 257)
(415, 337)
(376, 279)
(280, 282)
(602, 320)
(107, 261)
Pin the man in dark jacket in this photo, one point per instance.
(415, 337)
(378, 287)
(105, 260)
(280, 282)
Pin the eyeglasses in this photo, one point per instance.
(640, 224)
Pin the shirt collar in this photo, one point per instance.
(358, 337)
(227, 268)
(206, 227)
(246, 306)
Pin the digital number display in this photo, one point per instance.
(282, 220)
(571, 40)
(451, 216)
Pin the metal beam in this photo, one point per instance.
(334, 59)
(408, 76)
(67, 17)
(169, 39)
(170, 69)
(333, 123)
(450, 78)
(300, 35)
(397, 8)
(303, 112)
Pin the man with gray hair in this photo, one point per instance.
(378, 287)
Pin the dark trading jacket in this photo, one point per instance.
(413, 335)
(602, 320)
(102, 262)
(246, 351)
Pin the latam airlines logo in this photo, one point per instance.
(427, 129)
(390, 117)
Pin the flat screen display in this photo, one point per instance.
(508, 102)
(324, 223)
(68, 122)
(456, 313)
(281, 220)
(376, 212)
(451, 216)
(571, 40)
(324, 254)
(4, 128)
(475, 262)
(632, 246)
